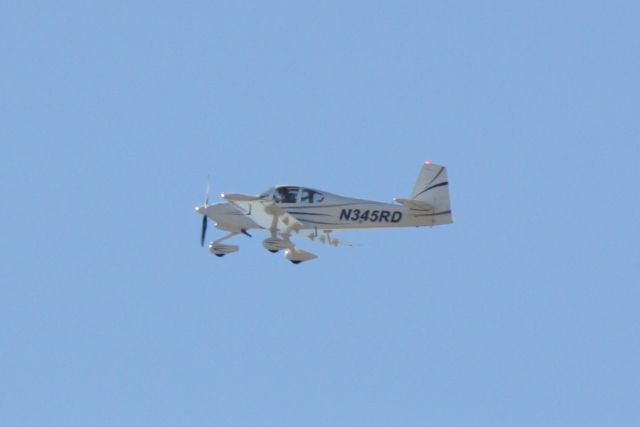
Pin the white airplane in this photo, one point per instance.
(288, 210)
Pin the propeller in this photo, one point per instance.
(204, 215)
(208, 191)
(204, 230)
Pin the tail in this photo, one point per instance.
(432, 190)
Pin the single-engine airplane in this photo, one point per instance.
(287, 210)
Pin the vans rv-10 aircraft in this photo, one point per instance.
(286, 210)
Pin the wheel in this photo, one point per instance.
(296, 261)
(219, 255)
(273, 251)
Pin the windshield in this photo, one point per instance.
(266, 194)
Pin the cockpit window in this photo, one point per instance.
(286, 195)
(311, 196)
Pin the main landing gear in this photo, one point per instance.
(219, 249)
(273, 244)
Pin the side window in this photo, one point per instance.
(311, 196)
(286, 195)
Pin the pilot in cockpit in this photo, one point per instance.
(285, 195)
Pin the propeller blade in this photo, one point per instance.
(245, 232)
(206, 199)
(204, 230)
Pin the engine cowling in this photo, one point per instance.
(297, 256)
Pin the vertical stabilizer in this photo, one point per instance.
(432, 187)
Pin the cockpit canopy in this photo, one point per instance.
(291, 194)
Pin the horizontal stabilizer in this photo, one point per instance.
(418, 205)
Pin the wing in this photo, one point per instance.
(265, 213)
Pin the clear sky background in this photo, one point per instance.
(523, 312)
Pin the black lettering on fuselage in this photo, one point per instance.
(357, 215)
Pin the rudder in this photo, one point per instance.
(432, 187)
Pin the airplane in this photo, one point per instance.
(290, 210)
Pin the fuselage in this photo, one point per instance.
(318, 210)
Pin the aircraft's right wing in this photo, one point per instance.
(265, 212)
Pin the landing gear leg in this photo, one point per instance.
(223, 238)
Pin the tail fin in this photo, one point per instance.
(432, 187)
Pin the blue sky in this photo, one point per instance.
(523, 312)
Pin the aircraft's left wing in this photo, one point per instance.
(265, 213)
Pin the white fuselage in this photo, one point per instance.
(333, 213)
